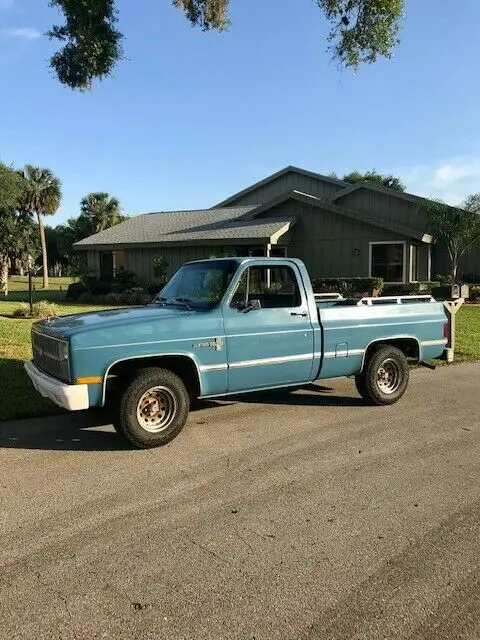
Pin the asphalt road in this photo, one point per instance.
(302, 515)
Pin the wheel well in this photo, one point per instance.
(121, 373)
(409, 346)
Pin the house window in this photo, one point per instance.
(387, 261)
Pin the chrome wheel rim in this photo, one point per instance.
(389, 376)
(156, 409)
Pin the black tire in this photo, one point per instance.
(152, 420)
(360, 385)
(385, 375)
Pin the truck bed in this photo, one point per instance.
(349, 326)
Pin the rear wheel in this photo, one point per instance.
(385, 375)
(153, 408)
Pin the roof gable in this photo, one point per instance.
(344, 211)
(370, 186)
(275, 176)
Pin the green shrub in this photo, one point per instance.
(348, 287)
(135, 296)
(88, 298)
(154, 289)
(41, 310)
(95, 285)
(75, 290)
(124, 279)
(474, 292)
(444, 280)
(160, 269)
(112, 299)
(409, 288)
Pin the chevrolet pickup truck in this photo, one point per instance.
(228, 326)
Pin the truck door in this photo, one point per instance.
(268, 330)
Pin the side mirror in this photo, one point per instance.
(253, 306)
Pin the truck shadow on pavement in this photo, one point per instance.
(92, 430)
(311, 395)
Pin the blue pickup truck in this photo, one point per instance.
(228, 326)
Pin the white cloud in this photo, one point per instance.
(452, 181)
(21, 33)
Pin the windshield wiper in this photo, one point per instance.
(184, 301)
(160, 299)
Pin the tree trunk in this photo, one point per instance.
(454, 270)
(4, 263)
(44, 249)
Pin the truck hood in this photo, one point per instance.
(67, 326)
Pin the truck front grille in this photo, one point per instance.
(51, 355)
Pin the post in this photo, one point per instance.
(30, 292)
(269, 275)
(452, 307)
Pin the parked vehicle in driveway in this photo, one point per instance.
(229, 326)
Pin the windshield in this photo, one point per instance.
(199, 284)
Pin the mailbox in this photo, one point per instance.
(455, 293)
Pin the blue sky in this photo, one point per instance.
(191, 118)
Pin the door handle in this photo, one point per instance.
(304, 314)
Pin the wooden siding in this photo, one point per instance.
(141, 261)
(291, 180)
(93, 261)
(332, 245)
(469, 263)
(396, 210)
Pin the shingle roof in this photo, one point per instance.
(188, 226)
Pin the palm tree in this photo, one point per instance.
(102, 211)
(43, 194)
(18, 240)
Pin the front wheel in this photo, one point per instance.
(384, 378)
(153, 408)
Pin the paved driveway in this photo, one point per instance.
(307, 515)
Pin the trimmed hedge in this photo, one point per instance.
(134, 297)
(75, 290)
(409, 288)
(348, 287)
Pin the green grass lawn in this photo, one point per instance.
(467, 345)
(19, 400)
(18, 289)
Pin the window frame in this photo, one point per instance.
(404, 260)
(414, 248)
(241, 274)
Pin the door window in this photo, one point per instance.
(273, 287)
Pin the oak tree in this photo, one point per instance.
(360, 32)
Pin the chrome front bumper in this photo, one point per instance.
(73, 397)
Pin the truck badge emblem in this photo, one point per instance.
(217, 344)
